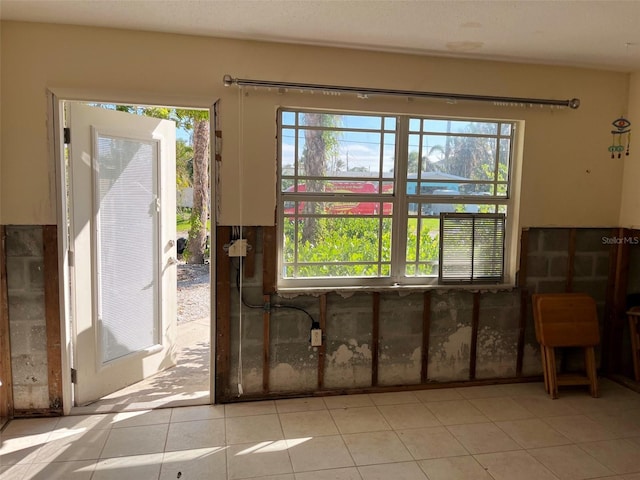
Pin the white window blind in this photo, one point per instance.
(471, 248)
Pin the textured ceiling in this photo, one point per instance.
(600, 34)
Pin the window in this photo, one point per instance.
(361, 198)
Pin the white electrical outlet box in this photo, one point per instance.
(238, 248)
(316, 337)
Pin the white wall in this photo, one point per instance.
(568, 177)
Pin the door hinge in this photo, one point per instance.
(70, 258)
(67, 135)
(74, 375)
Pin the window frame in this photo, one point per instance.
(399, 200)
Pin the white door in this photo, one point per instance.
(122, 202)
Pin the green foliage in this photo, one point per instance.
(340, 240)
(357, 241)
(184, 164)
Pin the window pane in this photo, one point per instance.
(389, 123)
(288, 152)
(505, 129)
(472, 158)
(354, 152)
(389, 155)
(288, 118)
(422, 249)
(330, 246)
(459, 126)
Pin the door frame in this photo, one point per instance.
(56, 97)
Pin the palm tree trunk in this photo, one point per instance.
(200, 212)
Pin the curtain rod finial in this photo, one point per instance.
(574, 103)
(227, 80)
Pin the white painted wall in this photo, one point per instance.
(568, 178)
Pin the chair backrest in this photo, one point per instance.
(566, 319)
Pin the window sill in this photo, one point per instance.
(401, 289)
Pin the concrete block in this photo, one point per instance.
(35, 267)
(284, 377)
(344, 323)
(496, 352)
(347, 364)
(555, 239)
(558, 265)
(28, 338)
(401, 316)
(19, 335)
(535, 240)
(24, 241)
(17, 279)
(508, 299)
(449, 355)
(583, 265)
(29, 369)
(399, 364)
(602, 266)
(289, 326)
(537, 266)
(596, 288)
(293, 366)
(26, 307)
(591, 239)
(30, 397)
(37, 338)
(531, 359)
(551, 286)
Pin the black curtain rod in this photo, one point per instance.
(228, 81)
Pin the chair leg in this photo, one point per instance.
(590, 367)
(551, 371)
(545, 367)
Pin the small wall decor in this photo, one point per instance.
(621, 135)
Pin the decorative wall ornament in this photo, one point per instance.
(620, 136)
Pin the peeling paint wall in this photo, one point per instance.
(348, 333)
(400, 350)
(450, 335)
(498, 330)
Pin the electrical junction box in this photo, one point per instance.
(238, 248)
(316, 337)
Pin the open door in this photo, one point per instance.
(122, 229)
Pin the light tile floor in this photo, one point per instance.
(504, 432)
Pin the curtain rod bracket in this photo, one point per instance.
(228, 81)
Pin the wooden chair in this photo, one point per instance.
(567, 320)
(634, 315)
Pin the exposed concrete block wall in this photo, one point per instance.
(25, 282)
(558, 260)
